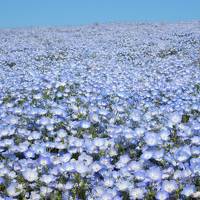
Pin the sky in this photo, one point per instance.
(26, 13)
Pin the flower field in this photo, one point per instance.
(100, 112)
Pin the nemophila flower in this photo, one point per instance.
(158, 154)
(137, 193)
(94, 117)
(195, 150)
(186, 172)
(128, 133)
(195, 127)
(146, 155)
(30, 174)
(164, 135)
(135, 166)
(122, 185)
(99, 142)
(47, 178)
(195, 165)
(106, 161)
(4, 132)
(13, 189)
(154, 173)
(105, 171)
(38, 148)
(35, 195)
(175, 118)
(4, 171)
(45, 191)
(139, 132)
(74, 124)
(61, 146)
(103, 112)
(107, 196)
(81, 168)
(44, 160)
(99, 190)
(50, 127)
(32, 111)
(78, 142)
(112, 152)
(2, 181)
(185, 131)
(167, 172)
(44, 121)
(85, 159)
(196, 195)
(113, 191)
(58, 111)
(73, 150)
(124, 159)
(65, 157)
(37, 96)
(188, 190)
(68, 186)
(162, 195)
(148, 116)
(12, 119)
(108, 182)
(195, 140)
(18, 111)
(17, 166)
(82, 110)
(182, 154)
(35, 135)
(117, 197)
(8, 142)
(170, 159)
(125, 172)
(29, 154)
(169, 186)
(151, 139)
(120, 109)
(65, 195)
(23, 132)
(177, 174)
(61, 133)
(89, 145)
(23, 146)
(85, 124)
(135, 115)
(95, 166)
(140, 175)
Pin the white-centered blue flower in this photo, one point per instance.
(30, 174)
(155, 174)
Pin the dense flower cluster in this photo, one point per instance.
(104, 112)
